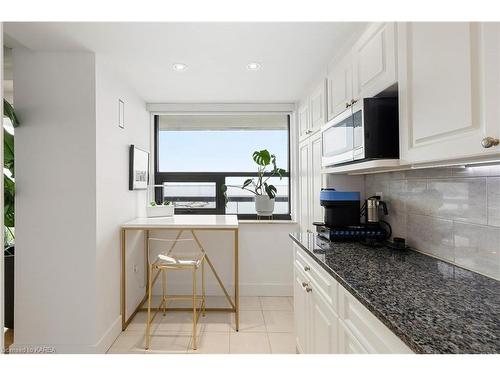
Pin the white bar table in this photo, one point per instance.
(181, 223)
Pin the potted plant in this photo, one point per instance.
(264, 192)
(9, 223)
(160, 210)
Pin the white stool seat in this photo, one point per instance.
(180, 259)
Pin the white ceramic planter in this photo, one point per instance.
(160, 211)
(264, 205)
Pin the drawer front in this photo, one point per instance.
(372, 334)
(324, 283)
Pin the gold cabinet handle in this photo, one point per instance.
(304, 284)
(306, 268)
(488, 142)
(308, 289)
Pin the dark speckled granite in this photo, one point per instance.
(433, 306)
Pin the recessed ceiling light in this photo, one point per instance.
(179, 67)
(253, 66)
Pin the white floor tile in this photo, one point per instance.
(215, 321)
(250, 321)
(279, 321)
(249, 343)
(276, 303)
(139, 321)
(161, 342)
(218, 301)
(250, 303)
(211, 343)
(169, 342)
(282, 343)
(268, 331)
(177, 321)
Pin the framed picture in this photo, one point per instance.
(139, 169)
(121, 114)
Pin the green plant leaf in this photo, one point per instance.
(270, 190)
(8, 111)
(8, 151)
(223, 189)
(262, 157)
(247, 182)
(9, 196)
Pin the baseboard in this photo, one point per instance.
(277, 290)
(109, 336)
(247, 289)
(100, 347)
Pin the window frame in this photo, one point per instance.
(217, 177)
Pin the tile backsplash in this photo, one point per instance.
(451, 213)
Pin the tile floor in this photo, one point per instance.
(266, 326)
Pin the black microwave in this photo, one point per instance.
(368, 130)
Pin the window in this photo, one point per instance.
(196, 154)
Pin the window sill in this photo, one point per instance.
(267, 221)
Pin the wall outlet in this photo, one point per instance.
(381, 195)
(135, 269)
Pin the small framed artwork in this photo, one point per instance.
(121, 114)
(139, 169)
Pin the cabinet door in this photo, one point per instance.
(304, 186)
(317, 213)
(303, 116)
(348, 344)
(443, 103)
(374, 57)
(301, 311)
(339, 82)
(324, 330)
(317, 107)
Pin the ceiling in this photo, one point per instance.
(290, 54)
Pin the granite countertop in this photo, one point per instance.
(431, 305)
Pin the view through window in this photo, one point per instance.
(197, 154)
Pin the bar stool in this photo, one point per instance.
(171, 260)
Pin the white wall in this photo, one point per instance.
(115, 204)
(55, 278)
(72, 196)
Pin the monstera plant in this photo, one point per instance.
(264, 192)
(8, 157)
(9, 193)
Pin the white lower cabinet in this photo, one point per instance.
(328, 319)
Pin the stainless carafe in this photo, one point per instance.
(373, 205)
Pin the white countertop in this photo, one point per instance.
(184, 221)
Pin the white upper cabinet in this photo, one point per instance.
(304, 198)
(339, 83)
(366, 70)
(317, 107)
(317, 211)
(448, 90)
(374, 59)
(312, 111)
(303, 118)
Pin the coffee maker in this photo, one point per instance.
(343, 214)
